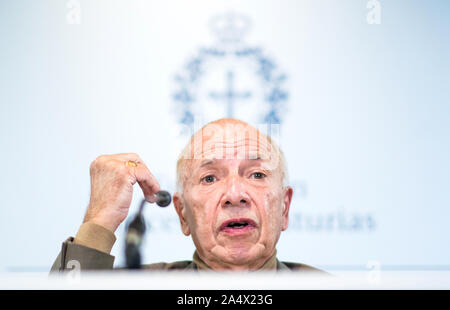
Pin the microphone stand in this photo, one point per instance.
(136, 230)
(135, 234)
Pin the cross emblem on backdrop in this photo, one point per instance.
(229, 58)
(230, 95)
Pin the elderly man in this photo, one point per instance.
(232, 198)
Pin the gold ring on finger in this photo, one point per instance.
(131, 163)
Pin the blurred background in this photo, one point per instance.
(359, 90)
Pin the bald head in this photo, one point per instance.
(228, 138)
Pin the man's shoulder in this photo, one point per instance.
(299, 267)
(178, 265)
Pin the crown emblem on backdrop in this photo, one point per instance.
(230, 27)
(230, 79)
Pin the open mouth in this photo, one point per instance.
(237, 226)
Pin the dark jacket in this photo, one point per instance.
(91, 259)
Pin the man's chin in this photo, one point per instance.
(239, 250)
(241, 254)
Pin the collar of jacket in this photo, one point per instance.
(272, 264)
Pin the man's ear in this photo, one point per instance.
(181, 211)
(287, 198)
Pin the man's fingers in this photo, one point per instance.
(128, 157)
(112, 183)
(140, 172)
(146, 180)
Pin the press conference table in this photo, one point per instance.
(226, 281)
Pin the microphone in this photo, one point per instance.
(162, 198)
(136, 229)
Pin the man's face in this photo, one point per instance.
(234, 203)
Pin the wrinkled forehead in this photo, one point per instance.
(230, 141)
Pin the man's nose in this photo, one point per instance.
(236, 194)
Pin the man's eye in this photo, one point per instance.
(258, 175)
(209, 179)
